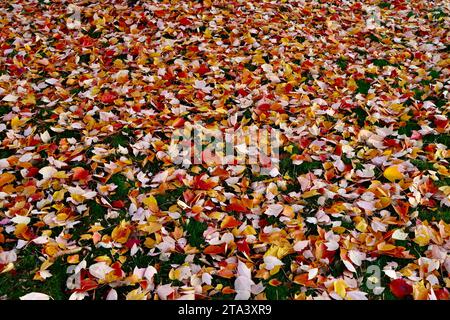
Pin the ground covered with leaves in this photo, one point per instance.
(93, 207)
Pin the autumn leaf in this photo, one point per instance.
(393, 173)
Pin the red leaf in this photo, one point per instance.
(400, 288)
(203, 69)
(243, 246)
(185, 21)
(442, 294)
(118, 204)
(108, 97)
(80, 173)
(132, 242)
(32, 172)
(236, 207)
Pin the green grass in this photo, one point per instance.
(286, 166)
(194, 232)
(121, 138)
(441, 138)
(169, 198)
(342, 63)
(384, 5)
(363, 86)
(442, 213)
(4, 110)
(422, 165)
(408, 128)
(380, 62)
(361, 116)
(15, 284)
(250, 67)
(123, 186)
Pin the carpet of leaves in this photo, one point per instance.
(92, 207)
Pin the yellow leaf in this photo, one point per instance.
(15, 122)
(77, 197)
(174, 274)
(30, 99)
(385, 247)
(309, 194)
(7, 268)
(150, 227)
(420, 292)
(275, 270)
(249, 230)
(136, 294)
(59, 195)
(60, 175)
(361, 226)
(422, 236)
(151, 203)
(351, 84)
(393, 173)
(339, 287)
(149, 243)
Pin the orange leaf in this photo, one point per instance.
(228, 290)
(6, 178)
(302, 279)
(385, 246)
(214, 249)
(402, 208)
(225, 273)
(121, 232)
(230, 222)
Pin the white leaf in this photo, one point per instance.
(21, 219)
(391, 274)
(100, 270)
(243, 270)
(378, 290)
(4, 163)
(332, 245)
(112, 295)
(51, 81)
(8, 257)
(366, 205)
(243, 284)
(349, 265)
(300, 245)
(274, 210)
(40, 240)
(10, 98)
(78, 295)
(399, 234)
(163, 291)
(312, 273)
(257, 288)
(150, 271)
(242, 295)
(356, 257)
(45, 137)
(356, 295)
(206, 278)
(35, 296)
(271, 262)
(48, 172)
